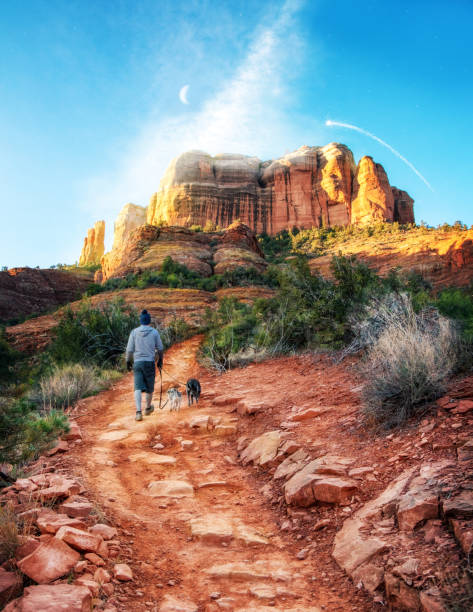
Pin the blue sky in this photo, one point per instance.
(90, 114)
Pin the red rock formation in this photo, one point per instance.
(24, 291)
(94, 245)
(373, 198)
(312, 186)
(203, 252)
(403, 207)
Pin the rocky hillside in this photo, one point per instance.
(24, 291)
(162, 303)
(207, 253)
(312, 186)
(444, 257)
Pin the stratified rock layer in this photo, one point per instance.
(312, 186)
(205, 253)
(94, 245)
(130, 217)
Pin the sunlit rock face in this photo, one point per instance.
(94, 245)
(310, 187)
(131, 216)
(373, 198)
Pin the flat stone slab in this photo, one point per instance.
(212, 528)
(260, 570)
(170, 488)
(153, 458)
(51, 560)
(177, 604)
(52, 598)
(114, 436)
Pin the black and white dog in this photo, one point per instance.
(193, 391)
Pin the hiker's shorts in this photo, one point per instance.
(144, 373)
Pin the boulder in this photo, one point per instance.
(463, 531)
(52, 598)
(76, 507)
(49, 561)
(370, 575)
(399, 595)
(465, 452)
(122, 572)
(28, 545)
(86, 582)
(81, 540)
(94, 559)
(431, 601)
(74, 432)
(104, 531)
(460, 505)
(102, 576)
(10, 586)
(49, 521)
(416, 507)
(292, 464)
(263, 449)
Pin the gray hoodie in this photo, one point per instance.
(143, 343)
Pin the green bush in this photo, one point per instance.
(8, 359)
(94, 335)
(458, 304)
(24, 433)
(177, 330)
(177, 276)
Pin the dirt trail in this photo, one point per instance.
(240, 552)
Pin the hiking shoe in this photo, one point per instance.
(139, 416)
(149, 410)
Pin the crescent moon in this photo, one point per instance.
(183, 94)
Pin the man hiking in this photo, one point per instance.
(143, 349)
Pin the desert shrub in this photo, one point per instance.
(458, 304)
(69, 383)
(94, 335)
(177, 330)
(9, 534)
(230, 329)
(8, 358)
(24, 433)
(409, 359)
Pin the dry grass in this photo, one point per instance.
(9, 534)
(409, 361)
(69, 383)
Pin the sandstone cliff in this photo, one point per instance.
(146, 248)
(131, 216)
(94, 245)
(24, 291)
(312, 186)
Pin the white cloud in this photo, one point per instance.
(246, 116)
